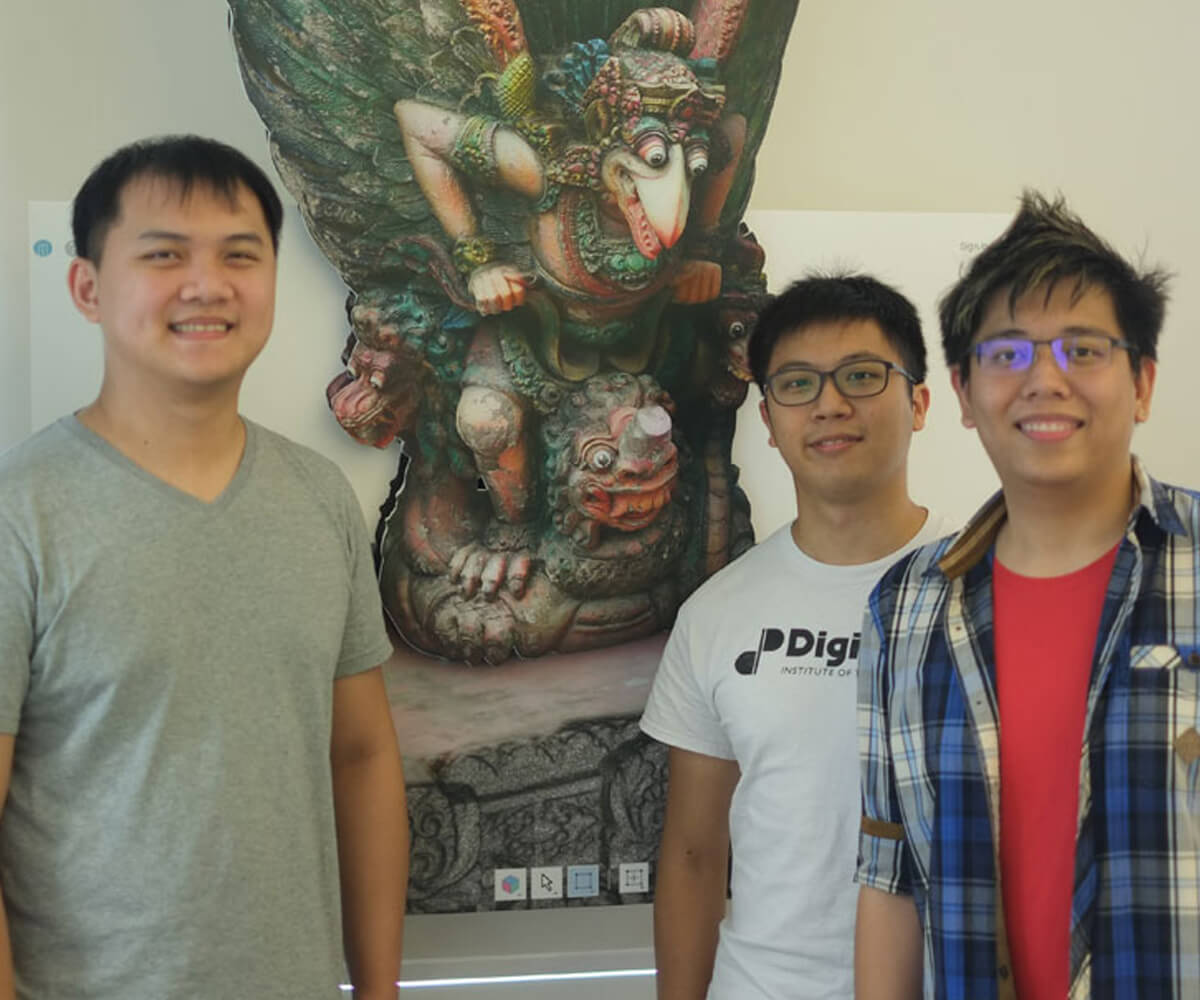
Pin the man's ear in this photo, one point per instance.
(1143, 386)
(960, 390)
(766, 419)
(83, 282)
(920, 405)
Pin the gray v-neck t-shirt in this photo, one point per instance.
(167, 666)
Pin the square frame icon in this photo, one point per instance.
(583, 881)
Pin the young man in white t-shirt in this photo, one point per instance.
(755, 694)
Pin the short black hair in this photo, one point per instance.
(182, 160)
(1045, 244)
(830, 298)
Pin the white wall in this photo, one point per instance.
(925, 105)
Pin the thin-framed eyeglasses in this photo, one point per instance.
(798, 386)
(1072, 352)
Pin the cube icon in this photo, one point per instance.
(510, 884)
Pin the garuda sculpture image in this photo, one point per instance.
(538, 213)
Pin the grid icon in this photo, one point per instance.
(634, 877)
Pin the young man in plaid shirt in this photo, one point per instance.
(1029, 691)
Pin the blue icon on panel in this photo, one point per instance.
(583, 881)
(43, 248)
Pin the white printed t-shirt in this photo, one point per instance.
(761, 668)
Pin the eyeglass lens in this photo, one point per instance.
(854, 378)
(1071, 352)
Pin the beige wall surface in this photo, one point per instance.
(926, 105)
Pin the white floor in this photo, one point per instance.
(530, 943)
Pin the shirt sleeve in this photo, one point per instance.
(681, 710)
(883, 861)
(365, 642)
(18, 585)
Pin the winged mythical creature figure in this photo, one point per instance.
(538, 213)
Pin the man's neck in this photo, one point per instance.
(193, 445)
(1051, 531)
(850, 534)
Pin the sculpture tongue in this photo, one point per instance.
(644, 236)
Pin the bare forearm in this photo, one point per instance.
(887, 947)
(8, 989)
(372, 826)
(689, 903)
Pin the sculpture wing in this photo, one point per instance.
(750, 72)
(324, 76)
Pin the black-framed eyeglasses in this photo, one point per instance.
(1072, 352)
(797, 386)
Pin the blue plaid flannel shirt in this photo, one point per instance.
(929, 743)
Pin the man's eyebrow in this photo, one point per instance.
(1018, 333)
(845, 359)
(161, 234)
(166, 234)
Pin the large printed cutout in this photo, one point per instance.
(537, 212)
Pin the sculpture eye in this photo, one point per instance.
(697, 159)
(736, 329)
(601, 458)
(653, 150)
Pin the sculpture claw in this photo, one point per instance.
(480, 570)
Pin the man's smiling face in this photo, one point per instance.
(184, 289)
(1043, 427)
(839, 449)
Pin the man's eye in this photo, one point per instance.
(160, 255)
(861, 376)
(798, 383)
(1002, 356)
(1082, 351)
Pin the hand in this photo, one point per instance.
(497, 288)
(697, 281)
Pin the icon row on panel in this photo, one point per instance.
(581, 881)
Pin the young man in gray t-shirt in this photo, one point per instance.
(199, 775)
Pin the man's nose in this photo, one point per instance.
(206, 281)
(1045, 372)
(830, 401)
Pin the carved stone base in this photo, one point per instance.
(592, 792)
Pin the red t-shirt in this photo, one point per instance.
(1045, 632)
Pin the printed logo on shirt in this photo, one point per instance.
(834, 651)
